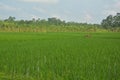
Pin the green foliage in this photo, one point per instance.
(111, 21)
(10, 19)
(59, 56)
(56, 25)
(50, 25)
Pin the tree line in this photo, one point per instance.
(111, 23)
(42, 25)
(49, 22)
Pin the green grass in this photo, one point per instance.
(59, 56)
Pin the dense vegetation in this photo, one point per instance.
(111, 23)
(50, 25)
(47, 55)
(59, 56)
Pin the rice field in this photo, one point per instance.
(59, 56)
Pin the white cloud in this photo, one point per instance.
(56, 16)
(88, 17)
(112, 9)
(42, 1)
(109, 12)
(41, 10)
(6, 7)
(117, 5)
(34, 16)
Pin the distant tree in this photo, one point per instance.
(54, 21)
(33, 20)
(10, 19)
(116, 20)
(43, 21)
(38, 20)
(111, 21)
(21, 21)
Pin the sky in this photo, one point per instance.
(90, 11)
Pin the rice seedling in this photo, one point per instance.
(59, 56)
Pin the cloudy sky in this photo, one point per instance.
(91, 11)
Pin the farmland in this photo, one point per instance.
(59, 56)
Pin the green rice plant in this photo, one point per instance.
(59, 56)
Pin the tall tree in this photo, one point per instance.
(111, 21)
(11, 19)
